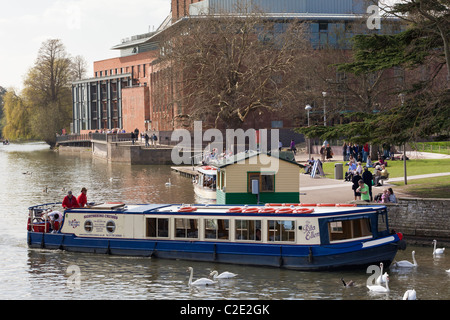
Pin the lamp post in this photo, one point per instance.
(324, 94)
(308, 109)
(402, 100)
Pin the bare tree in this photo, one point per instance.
(79, 67)
(226, 67)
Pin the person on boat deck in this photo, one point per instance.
(55, 220)
(82, 198)
(69, 201)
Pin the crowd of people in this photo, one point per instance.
(363, 180)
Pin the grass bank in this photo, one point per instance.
(438, 187)
(395, 168)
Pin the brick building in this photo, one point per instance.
(122, 92)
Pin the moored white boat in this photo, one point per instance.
(205, 182)
(294, 236)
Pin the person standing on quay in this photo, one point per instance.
(367, 177)
(363, 190)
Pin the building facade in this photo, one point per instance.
(122, 93)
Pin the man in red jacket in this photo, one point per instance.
(70, 201)
(82, 199)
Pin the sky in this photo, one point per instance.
(89, 28)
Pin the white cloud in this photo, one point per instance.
(87, 27)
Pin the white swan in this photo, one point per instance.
(382, 277)
(407, 264)
(223, 275)
(168, 184)
(437, 250)
(448, 270)
(410, 295)
(199, 282)
(379, 288)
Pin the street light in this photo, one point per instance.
(324, 94)
(308, 109)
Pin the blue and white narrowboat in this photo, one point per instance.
(295, 236)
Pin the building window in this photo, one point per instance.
(266, 181)
(323, 26)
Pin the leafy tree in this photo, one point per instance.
(423, 46)
(2, 93)
(16, 117)
(47, 91)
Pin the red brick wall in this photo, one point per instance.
(180, 8)
(135, 108)
(138, 64)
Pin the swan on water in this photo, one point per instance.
(382, 277)
(379, 288)
(168, 184)
(437, 250)
(410, 295)
(199, 282)
(407, 264)
(223, 275)
(351, 283)
(448, 270)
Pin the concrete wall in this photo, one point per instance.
(421, 220)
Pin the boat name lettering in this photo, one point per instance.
(310, 231)
(100, 216)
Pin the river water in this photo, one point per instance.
(32, 174)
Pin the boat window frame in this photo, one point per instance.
(186, 236)
(255, 230)
(157, 227)
(325, 234)
(293, 231)
(348, 227)
(216, 238)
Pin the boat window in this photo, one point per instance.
(349, 229)
(248, 229)
(88, 226)
(157, 227)
(217, 229)
(110, 226)
(279, 230)
(186, 228)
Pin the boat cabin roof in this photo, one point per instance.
(253, 210)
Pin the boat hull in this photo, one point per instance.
(205, 193)
(350, 255)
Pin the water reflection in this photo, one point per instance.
(38, 274)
